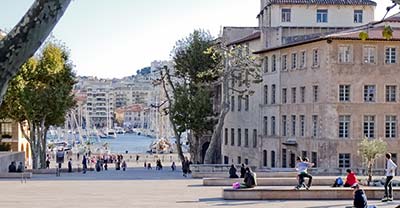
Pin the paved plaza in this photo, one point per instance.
(134, 188)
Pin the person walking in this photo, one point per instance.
(123, 165)
(173, 166)
(84, 164)
(390, 173)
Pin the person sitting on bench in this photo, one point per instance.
(232, 172)
(250, 179)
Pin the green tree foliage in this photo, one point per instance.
(370, 150)
(41, 94)
(190, 105)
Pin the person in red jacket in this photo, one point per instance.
(351, 178)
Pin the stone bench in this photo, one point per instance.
(259, 174)
(315, 193)
(292, 181)
(16, 175)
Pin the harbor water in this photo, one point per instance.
(129, 142)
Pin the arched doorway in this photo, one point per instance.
(204, 148)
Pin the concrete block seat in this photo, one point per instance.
(315, 193)
(283, 181)
(259, 174)
(16, 175)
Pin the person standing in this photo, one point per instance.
(84, 164)
(173, 166)
(70, 165)
(123, 165)
(390, 173)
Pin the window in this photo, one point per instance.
(284, 62)
(265, 125)
(304, 154)
(284, 159)
(390, 126)
(233, 103)
(284, 95)
(358, 16)
(294, 60)
(303, 94)
(273, 132)
(240, 79)
(344, 126)
(226, 160)
(344, 160)
(239, 160)
(369, 54)
(265, 94)
(314, 125)
(344, 93)
(369, 126)
(272, 159)
(369, 93)
(390, 55)
(302, 125)
(239, 137)
(293, 95)
(344, 54)
(273, 63)
(315, 93)
(314, 159)
(273, 94)
(226, 136)
(286, 15)
(6, 128)
(246, 137)
(315, 60)
(293, 125)
(266, 64)
(246, 161)
(322, 15)
(246, 103)
(303, 60)
(390, 93)
(232, 137)
(284, 126)
(265, 158)
(240, 97)
(254, 138)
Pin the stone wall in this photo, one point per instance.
(7, 157)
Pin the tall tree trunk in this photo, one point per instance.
(173, 124)
(369, 173)
(194, 147)
(42, 144)
(34, 147)
(27, 36)
(213, 153)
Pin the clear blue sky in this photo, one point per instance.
(114, 38)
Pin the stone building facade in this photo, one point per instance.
(320, 94)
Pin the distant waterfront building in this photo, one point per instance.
(322, 92)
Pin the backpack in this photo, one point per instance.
(339, 181)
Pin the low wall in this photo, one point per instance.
(7, 157)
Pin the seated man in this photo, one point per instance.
(360, 199)
(12, 168)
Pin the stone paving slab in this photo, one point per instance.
(135, 188)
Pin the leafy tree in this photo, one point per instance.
(190, 107)
(41, 94)
(370, 150)
(238, 71)
(27, 36)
